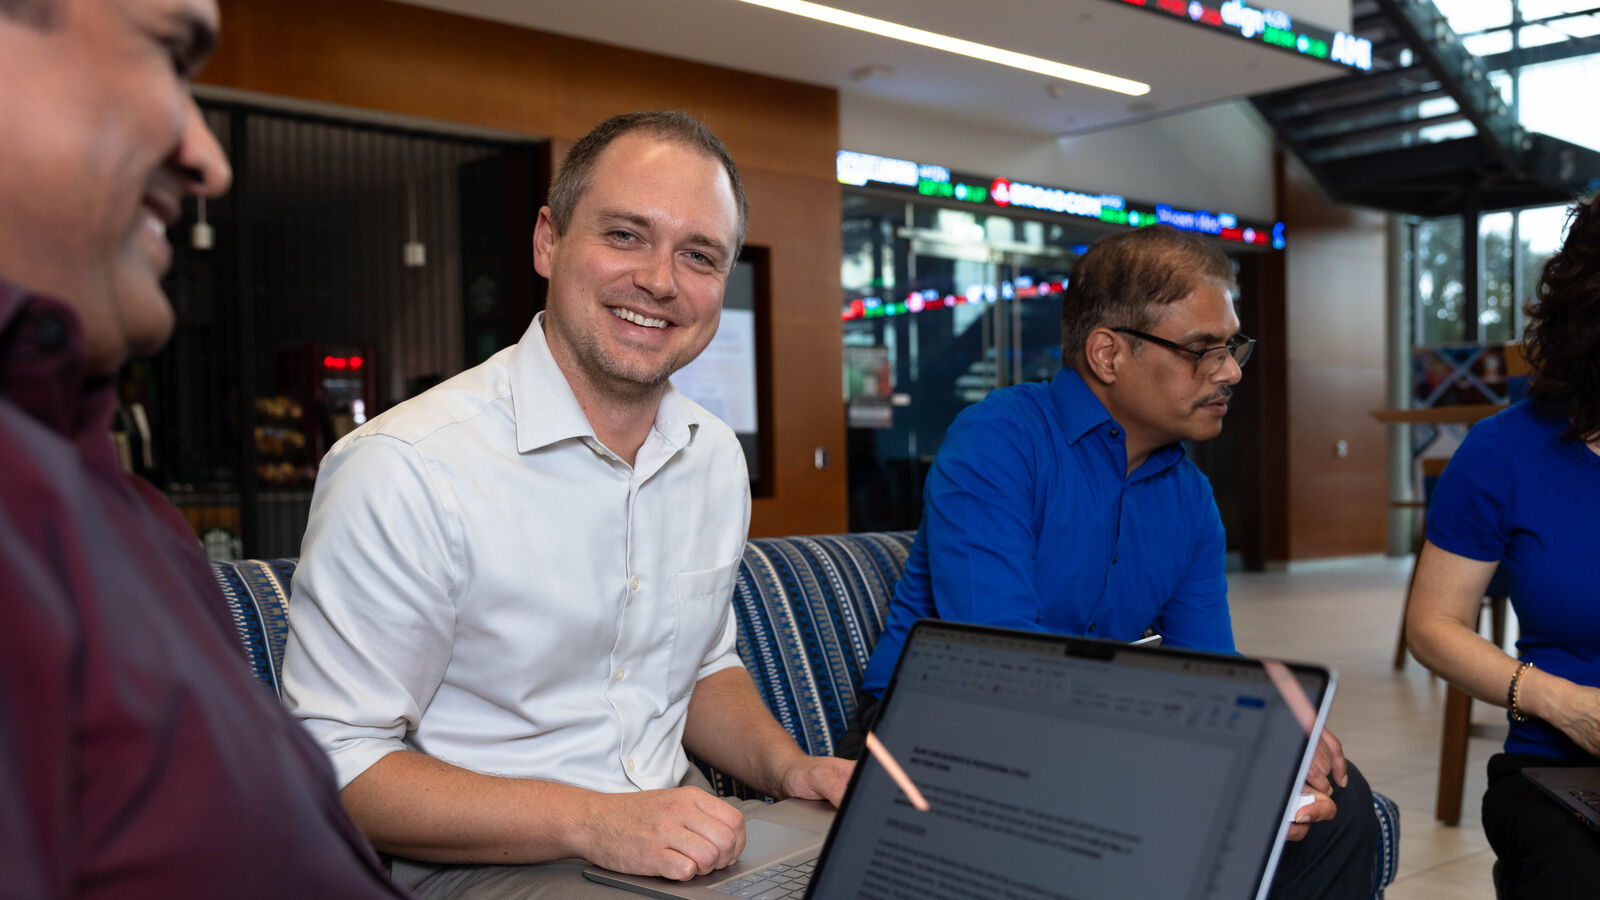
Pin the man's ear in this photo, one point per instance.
(544, 240)
(1102, 353)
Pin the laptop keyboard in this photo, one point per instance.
(778, 881)
(1589, 798)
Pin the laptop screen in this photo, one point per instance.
(1060, 767)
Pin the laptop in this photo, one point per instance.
(1575, 787)
(1052, 766)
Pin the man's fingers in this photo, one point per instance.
(720, 825)
(819, 778)
(721, 810)
(1320, 809)
(1317, 780)
(828, 778)
(726, 842)
(677, 833)
(677, 866)
(704, 854)
(1339, 769)
(1317, 772)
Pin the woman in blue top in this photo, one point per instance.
(1523, 492)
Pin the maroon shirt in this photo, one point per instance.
(138, 756)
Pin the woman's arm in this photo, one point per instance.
(1441, 630)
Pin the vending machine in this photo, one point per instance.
(323, 392)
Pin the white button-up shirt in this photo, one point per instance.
(483, 581)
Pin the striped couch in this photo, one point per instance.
(809, 611)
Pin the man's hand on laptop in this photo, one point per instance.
(1320, 809)
(1328, 763)
(677, 833)
(818, 778)
(1328, 768)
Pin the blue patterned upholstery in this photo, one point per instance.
(257, 591)
(1388, 861)
(809, 611)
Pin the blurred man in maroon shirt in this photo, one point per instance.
(138, 758)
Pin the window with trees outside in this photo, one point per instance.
(1544, 56)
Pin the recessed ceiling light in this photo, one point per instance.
(955, 45)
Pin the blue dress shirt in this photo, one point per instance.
(1031, 520)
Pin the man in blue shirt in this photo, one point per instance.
(1070, 506)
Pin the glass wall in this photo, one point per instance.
(941, 306)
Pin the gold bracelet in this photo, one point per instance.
(1513, 690)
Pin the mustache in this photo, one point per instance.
(1223, 393)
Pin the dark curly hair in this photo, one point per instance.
(1562, 340)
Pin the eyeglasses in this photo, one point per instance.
(1208, 360)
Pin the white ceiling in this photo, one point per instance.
(1187, 65)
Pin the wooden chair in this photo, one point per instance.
(1458, 703)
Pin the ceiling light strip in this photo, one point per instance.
(971, 49)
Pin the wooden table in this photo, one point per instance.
(1465, 414)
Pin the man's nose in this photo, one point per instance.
(1231, 372)
(200, 159)
(655, 274)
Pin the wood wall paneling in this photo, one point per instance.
(410, 61)
(1335, 283)
(420, 62)
(1261, 417)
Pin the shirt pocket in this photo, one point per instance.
(700, 600)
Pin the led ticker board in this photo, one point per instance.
(862, 169)
(921, 301)
(1264, 25)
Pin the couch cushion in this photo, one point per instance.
(1387, 864)
(257, 591)
(810, 610)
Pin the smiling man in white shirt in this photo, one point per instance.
(512, 611)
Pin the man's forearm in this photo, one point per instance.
(729, 727)
(416, 806)
(413, 805)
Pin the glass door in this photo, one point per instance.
(956, 305)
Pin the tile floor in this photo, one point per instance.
(1345, 613)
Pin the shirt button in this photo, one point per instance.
(1116, 433)
(1091, 628)
(50, 332)
(621, 674)
(629, 763)
(633, 583)
(1113, 559)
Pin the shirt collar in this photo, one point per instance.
(41, 364)
(547, 411)
(1082, 412)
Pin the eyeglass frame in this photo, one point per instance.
(1235, 342)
